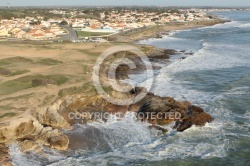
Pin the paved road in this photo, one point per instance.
(72, 35)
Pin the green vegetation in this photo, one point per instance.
(26, 96)
(4, 71)
(13, 60)
(49, 61)
(108, 89)
(11, 114)
(2, 63)
(7, 72)
(13, 86)
(35, 22)
(19, 72)
(87, 34)
(22, 13)
(87, 69)
(47, 99)
(26, 82)
(6, 107)
(88, 87)
(64, 22)
(145, 49)
(16, 59)
(59, 79)
(4, 14)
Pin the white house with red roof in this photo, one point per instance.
(4, 32)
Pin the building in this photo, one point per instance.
(20, 34)
(49, 34)
(33, 36)
(4, 32)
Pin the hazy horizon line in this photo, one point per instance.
(125, 6)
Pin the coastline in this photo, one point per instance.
(155, 52)
(156, 31)
(160, 54)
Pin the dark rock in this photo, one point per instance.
(153, 109)
(29, 146)
(166, 110)
(4, 155)
(158, 36)
(189, 53)
(161, 53)
(193, 116)
(60, 142)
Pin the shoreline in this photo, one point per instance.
(158, 54)
(35, 123)
(156, 31)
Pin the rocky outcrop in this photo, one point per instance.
(50, 116)
(42, 126)
(59, 142)
(29, 145)
(193, 116)
(158, 53)
(25, 128)
(166, 110)
(32, 135)
(153, 109)
(4, 156)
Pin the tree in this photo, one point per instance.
(38, 22)
(175, 11)
(46, 18)
(106, 13)
(64, 22)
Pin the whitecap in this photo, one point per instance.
(247, 25)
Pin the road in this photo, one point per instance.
(72, 35)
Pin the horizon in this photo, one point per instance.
(115, 3)
(108, 6)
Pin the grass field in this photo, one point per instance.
(48, 61)
(87, 34)
(26, 82)
(34, 74)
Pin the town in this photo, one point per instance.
(75, 24)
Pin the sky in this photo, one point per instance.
(125, 2)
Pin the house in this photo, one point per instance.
(49, 34)
(57, 30)
(77, 25)
(4, 32)
(45, 24)
(13, 31)
(33, 36)
(20, 34)
(37, 31)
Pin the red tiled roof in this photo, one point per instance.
(47, 31)
(36, 35)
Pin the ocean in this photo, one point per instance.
(216, 77)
